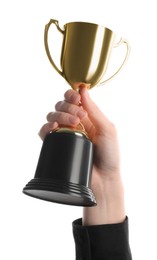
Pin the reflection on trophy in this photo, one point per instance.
(63, 172)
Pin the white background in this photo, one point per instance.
(29, 88)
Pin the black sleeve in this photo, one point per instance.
(102, 242)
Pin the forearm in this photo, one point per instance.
(110, 204)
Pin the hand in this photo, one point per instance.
(106, 180)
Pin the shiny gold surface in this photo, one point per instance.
(72, 131)
(85, 53)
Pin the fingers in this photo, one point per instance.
(55, 119)
(72, 96)
(47, 128)
(68, 113)
(75, 110)
(63, 118)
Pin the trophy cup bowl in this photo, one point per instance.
(64, 168)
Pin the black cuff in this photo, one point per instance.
(102, 242)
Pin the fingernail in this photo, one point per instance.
(73, 97)
(54, 125)
(73, 120)
(81, 114)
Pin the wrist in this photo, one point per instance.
(110, 206)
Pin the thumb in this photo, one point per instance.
(99, 120)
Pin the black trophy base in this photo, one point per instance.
(60, 192)
(63, 173)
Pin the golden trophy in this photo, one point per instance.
(63, 172)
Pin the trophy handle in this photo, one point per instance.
(47, 26)
(122, 40)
